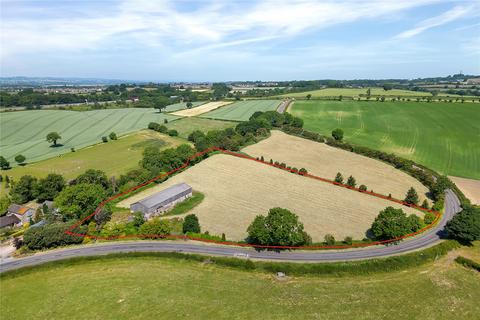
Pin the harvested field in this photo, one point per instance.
(236, 190)
(201, 109)
(325, 161)
(469, 187)
(185, 126)
(242, 110)
(181, 106)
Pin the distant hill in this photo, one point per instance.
(58, 81)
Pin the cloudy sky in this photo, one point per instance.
(181, 40)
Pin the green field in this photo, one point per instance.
(442, 136)
(186, 125)
(127, 150)
(242, 110)
(181, 106)
(355, 92)
(24, 132)
(168, 288)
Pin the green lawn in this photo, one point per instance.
(355, 92)
(242, 110)
(442, 136)
(168, 288)
(114, 157)
(24, 132)
(187, 125)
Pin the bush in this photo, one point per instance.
(348, 240)
(465, 226)
(155, 228)
(337, 134)
(393, 223)
(191, 224)
(339, 178)
(104, 139)
(412, 196)
(329, 239)
(362, 187)
(113, 136)
(429, 217)
(52, 235)
(173, 133)
(468, 263)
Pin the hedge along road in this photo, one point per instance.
(427, 238)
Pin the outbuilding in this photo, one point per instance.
(160, 202)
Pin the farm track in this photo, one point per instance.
(452, 206)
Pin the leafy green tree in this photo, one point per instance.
(155, 227)
(412, 196)
(53, 137)
(24, 190)
(337, 134)
(93, 176)
(279, 227)
(195, 136)
(103, 216)
(191, 224)
(309, 96)
(113, 136)
(80, 200)
(329, 239)
(189, 105)
(393, 223)
(425, 204)
(52, 235)
(172, 133)
(20, 159)
(369, 92)
(161, 103)
(465, 226)
(351, 182)
(4, 164)
(5, 202)
(339, 178)
(363, 187)
(138, 219)
(50, 186)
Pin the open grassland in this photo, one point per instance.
(242, 110)
(236, 190)
(127, 150)
(181, 106)
(356, 92)
(469, 187)
(325, 161)
(24, 132)
(442, 136)
(201, 109)
(168, 288)
(185, 126)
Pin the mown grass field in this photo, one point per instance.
(204, 108)
(169, 288)
(114, 157)
(442, 136)
(237, 190)
(187, 125)
(355, 92)
(25, 132)
(242, 110)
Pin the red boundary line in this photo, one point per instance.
(198, 154)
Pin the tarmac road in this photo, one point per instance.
(452, 206)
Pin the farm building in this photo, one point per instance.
(162, 201)
(24, 214)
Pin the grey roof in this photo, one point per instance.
(8, 220)
(159, 197)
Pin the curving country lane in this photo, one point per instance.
(452, 206)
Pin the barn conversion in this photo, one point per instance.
(162, 201)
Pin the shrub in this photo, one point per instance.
(104, 139)
(51, 235)
(329, 239)
(468, 263)
(465, 226)
(412, 196)
(337, 134)
(113, 136)
(191, 224)
(363, 187)
(302, 171)
(351, 182)
(173, 133)
(339, 178)
(425, 204)
(155, 227)
(20, 159)
(348, 240)
(393, 223)
(429, 217)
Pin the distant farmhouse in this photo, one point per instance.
(162, 201)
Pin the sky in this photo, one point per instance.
(181, 40)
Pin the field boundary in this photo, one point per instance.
(231, 243)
